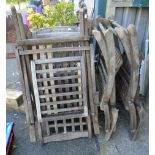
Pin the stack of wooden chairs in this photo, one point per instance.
(61, 93)
(118, 74)
(57, 74)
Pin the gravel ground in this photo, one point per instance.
(120, 143)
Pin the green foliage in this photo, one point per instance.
(60, 14)
(37, 20)
(16, 1)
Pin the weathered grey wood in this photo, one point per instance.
(80, 80)
(134, 45)
(102, 76)
(66, 49)
(69, 124)
(45, 90)
(27, 67)
(94, 87)
(61, 94)
(27, 91)
(123, 35)
(67, 136)
(56, 29)
(81, 18)
(20, 35)
(81, 126)
(54, 60)
(85, 22)
(63, 116)
(84, 87)
(91, 101)
(40, 132)
(89, 126)
(60, 34)
(113, 96)
(107, 117)
(56, 126)
(61, 102)
(60, 86)
(36, 91)
(104, 72)
(114, 112)
(73, 80)
(58, 70)
(31, 127)
(73, 125)
(132, 58)
(111, 68)
(45, 83)
(59, 78)
(21, 26)
(50, 40)
(15, 21)
(62, 110)
(102, 44)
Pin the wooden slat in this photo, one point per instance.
(72, 53)
(81, 125)
(15, 21)
(53, 50)
(60, 86)
(73, 124)
(101, 42)
(54, 60)
(85, 23)
(56, 126)
(62, 110)
(60, 34)
(68, 124)
(60, 94)
(91, 101)
(63, 116)
(84, 88)
(45, 83)
(36, 91)
(81, 18)
(50, 55)
(61, 102)
(58, 70)
(58, 78)
(97, 130)
(67, 136)
(111, 68)
(20, 32)
(50, 40)
(31, 127)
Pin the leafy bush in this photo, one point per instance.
(16, 1)
(60, 14)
